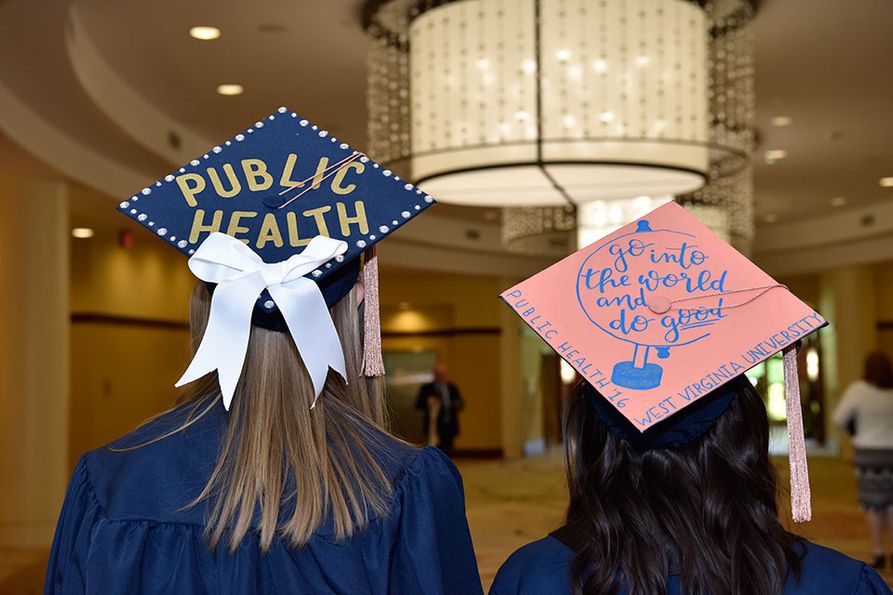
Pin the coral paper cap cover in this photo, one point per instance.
(659, 313)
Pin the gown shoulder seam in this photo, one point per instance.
(410, 464)
(105, 517)
(88, 485)
(398, 483)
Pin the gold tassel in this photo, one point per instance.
(373, 364)
(801, 506)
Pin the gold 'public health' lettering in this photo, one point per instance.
(242, 223)
(257, 178)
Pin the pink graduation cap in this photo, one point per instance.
(660, 313)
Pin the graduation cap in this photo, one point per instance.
(279, 220)
(661, 318)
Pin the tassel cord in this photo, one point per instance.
(801, 507)
(373, 363)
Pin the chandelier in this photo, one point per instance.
(725, 204)
(545, 231)
(553, 102)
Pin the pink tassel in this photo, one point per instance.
(373, 365)
(801, 507)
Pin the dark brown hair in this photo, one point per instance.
(709, 505)
(878, 370)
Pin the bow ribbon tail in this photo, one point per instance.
(305, 311)
(225, 342)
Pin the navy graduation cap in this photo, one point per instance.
(275, 186)
(295, 197)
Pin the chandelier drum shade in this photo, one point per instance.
(725, 203)
(547, 102)
(544, 231)
(598, 218)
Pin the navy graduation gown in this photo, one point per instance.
(544, 567)
(123, 529)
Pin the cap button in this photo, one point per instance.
(659, 304)
(274, 201)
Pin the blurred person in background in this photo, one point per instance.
(865, 412)
(441, 401)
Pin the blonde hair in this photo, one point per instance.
(280, 458)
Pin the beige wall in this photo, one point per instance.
(150, 280)
(858, 302)
(460, 318)
(128, 334)
(33, 357)
(127, 347)
(121, 375)
(855, 318)
(532, 398)
(883, 282)
(807, 287)
(884, 286)
(34, 363)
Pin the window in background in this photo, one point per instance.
(768, 378)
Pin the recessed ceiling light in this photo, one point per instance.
(770, 218)
(887, 182)
(230, 89)
(204, 32)
(838, 201)
(782, 121)
(775, 154)
(82, 232)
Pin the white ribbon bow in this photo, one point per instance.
(241, 276)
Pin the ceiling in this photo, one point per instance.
(307, 55)
(820, 62)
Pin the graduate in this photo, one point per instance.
(275, 473)
(672, 490)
